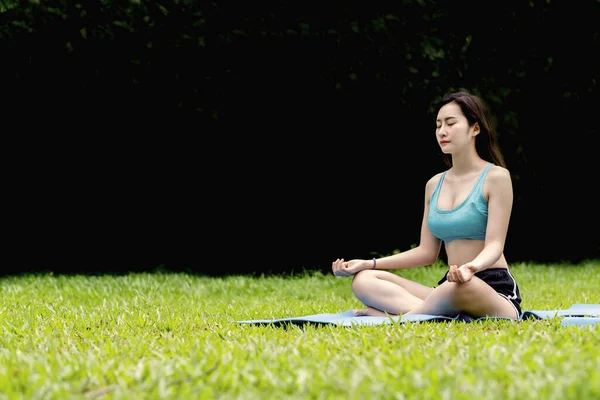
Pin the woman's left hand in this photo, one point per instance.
(461, 274)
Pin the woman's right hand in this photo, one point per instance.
(348, 268)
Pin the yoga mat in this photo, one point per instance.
(576, 314)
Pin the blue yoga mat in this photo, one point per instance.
(576, 314)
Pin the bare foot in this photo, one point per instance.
(370, 311)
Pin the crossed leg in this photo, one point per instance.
(474, 297)
(385, 293)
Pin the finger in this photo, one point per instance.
(452, 273)
(335, 265)
(456, 273)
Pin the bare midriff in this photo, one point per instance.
(462, 251)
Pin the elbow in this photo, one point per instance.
(429, 255)
(432, 260)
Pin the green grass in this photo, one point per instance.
(171, 336)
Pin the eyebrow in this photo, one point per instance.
(446, 119)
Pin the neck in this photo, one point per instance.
(465, 163)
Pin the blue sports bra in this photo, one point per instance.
(466, 221)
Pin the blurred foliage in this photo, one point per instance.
(405, 50)
(294, 83)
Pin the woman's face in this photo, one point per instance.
(452, 130)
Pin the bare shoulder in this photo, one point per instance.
(431, 184)
(498, 181)
(433, 181)
(498, 174)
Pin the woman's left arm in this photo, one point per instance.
(500, 201)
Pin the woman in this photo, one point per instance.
(467, 207)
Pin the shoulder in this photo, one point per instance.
(498, 175)
(434, 179)
(432, 183)
(498, 181)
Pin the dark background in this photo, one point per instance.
(245, 138)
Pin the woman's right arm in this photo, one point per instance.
(428, 250)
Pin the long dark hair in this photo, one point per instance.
(476, 110)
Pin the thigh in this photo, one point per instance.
(479, 299)
(415, 288)
(502, 281)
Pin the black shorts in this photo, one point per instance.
(502, 282)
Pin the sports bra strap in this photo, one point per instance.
(481, 179)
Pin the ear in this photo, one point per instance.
(476, 129)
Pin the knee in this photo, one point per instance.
(361, 279)
(460, 292)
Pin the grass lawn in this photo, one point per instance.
(167, 335)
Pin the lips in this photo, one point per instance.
(444, 142)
